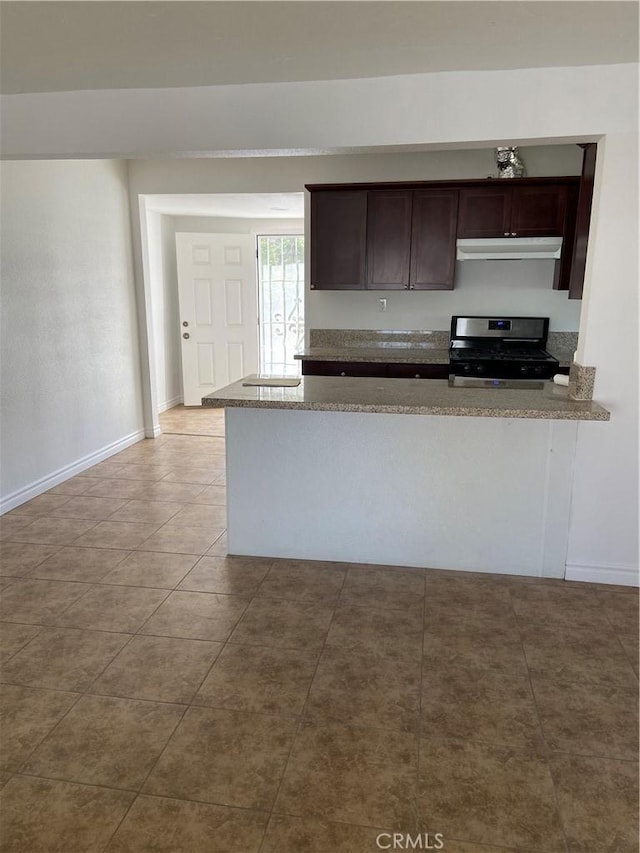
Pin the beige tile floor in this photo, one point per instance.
(159, 695)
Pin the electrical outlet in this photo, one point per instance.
(383, 305)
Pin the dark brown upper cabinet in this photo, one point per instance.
(389, 239)
(513, 211)
(583, 217)
(411, 239)
(433, 239)
(402, 236)
(539, 211)
(484, 212)
(338, 239)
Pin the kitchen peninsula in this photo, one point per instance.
(402, 472)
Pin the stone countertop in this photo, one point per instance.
(395, 353)
(410, 397)
(383, 352)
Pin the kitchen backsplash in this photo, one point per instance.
(370, 337)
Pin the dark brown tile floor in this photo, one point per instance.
(158, 695)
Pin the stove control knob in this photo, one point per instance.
(479, 368)
(467, 368)
(524, 370)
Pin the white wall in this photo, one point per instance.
(164, 309)
(604, 527)
(444, 109)
(70, 361)
(481, 287)
(396, 489)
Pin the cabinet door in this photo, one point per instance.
(388, 239)
(343, 368)
(433, 239)
(485, 212)
(579, 259)
(538, 211)
(338, 239)
(418, 371)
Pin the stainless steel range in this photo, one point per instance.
(500, 352)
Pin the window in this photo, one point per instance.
(281, 302)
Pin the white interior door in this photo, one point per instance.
(218, 311)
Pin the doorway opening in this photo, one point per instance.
(280, 302)
(222, 288)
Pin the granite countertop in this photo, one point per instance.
(410, 397)
(383, 352)
(401, 353)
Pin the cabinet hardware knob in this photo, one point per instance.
(312, 286)
(186, 336)
(184, 323)
(417, 376)
(343, 373)
(513, 234)
(506, 233)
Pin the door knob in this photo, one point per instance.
(186, 336)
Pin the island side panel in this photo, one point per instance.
(475, 494)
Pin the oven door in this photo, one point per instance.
(501, 368)
(493, 383)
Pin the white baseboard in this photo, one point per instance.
(45, 483)
(169, 404)
(615, 574)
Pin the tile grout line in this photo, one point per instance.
(138, 792)
(542, 732)
(419, 723)
(187, 707)
(224, 644)
(50, 732)
(301, 716)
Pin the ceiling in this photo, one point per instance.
(230, 205)
(67, 46)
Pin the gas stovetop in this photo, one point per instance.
(501, 348)
(490, 353)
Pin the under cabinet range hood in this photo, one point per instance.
(508, 248)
